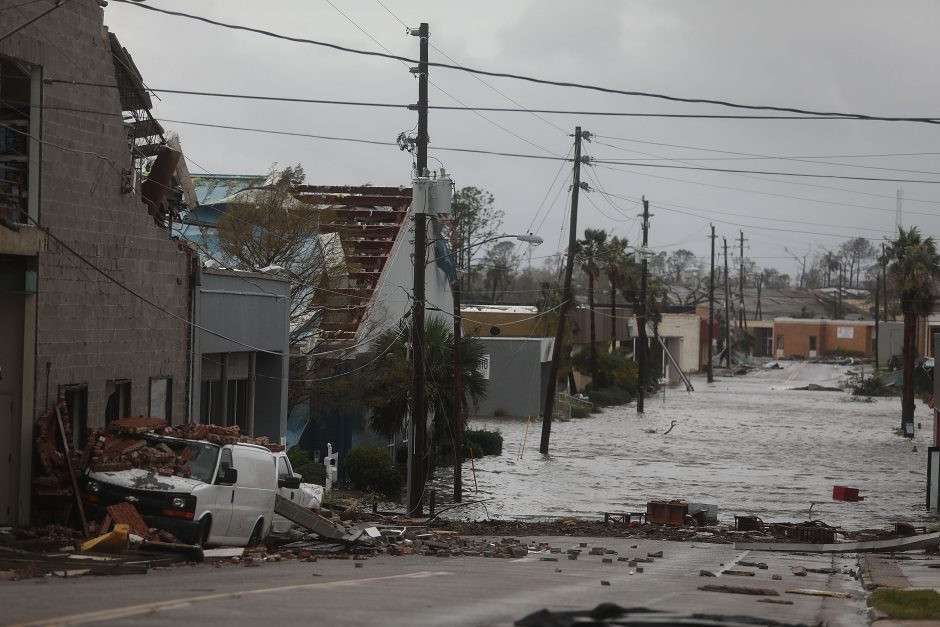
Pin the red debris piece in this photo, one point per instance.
(127, 514)
(138, 424)
(843, 493)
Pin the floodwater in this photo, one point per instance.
(747, 444)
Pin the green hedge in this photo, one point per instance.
(303, 465)
(608, 397)
(371, 469)
(482, 442)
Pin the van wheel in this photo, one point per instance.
(205, 527)
(255, 538)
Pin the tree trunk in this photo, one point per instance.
(909, 352)
(593, 331)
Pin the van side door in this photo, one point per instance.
(224, 499)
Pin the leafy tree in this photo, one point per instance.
(678, 262)
(500, 261)
(856, 252)
(914, 266)
(267, 227)
(475, 220)
(773, 279)
(588, 252)
(388, 382)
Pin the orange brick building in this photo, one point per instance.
(815, 337)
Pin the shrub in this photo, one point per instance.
(580, 411)
(868, 386)
(371, 469)
(303, 465)
(482, 442)
(607, 397)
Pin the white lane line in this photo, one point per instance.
(145, 608)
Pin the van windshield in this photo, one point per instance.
(202, 459)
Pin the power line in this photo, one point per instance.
(747, 156)
(530, 79)
(761, 193)
(464, 108)
(57, 5)
(363, 141)
(143, 298)
(433, 84)
(765, 172)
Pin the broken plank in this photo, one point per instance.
(307, 519)
(767, 592)
(820, 593)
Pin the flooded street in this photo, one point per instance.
(747, 444)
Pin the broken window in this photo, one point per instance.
(779, 342)
(119, 400)
(238, 404)
(76, 400)
(812, 342)
(161, 398)
(19, 153)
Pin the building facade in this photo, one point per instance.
(96, 298)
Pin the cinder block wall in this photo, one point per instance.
(90, 330)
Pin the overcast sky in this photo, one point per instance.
(878, 58)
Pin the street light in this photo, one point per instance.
(528, 238)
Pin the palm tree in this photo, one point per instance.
(589, 249)
(914, 264)
(388, 382)
(615, 260)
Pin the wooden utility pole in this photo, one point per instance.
(884, 282)
(458, 395)
(742, 319)
(727, 309)
(877, 294)
(711, 309)
(419, 417)
(644, 313)
(567, 296)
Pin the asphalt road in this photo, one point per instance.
(416, 590)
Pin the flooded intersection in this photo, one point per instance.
(748, 444)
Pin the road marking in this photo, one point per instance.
(796, 372)
(146, 608)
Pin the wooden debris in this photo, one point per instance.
(739, 573)
(767, 592)
(777, 601)
(820, 593)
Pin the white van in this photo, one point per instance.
(308, 495)
(228, 497)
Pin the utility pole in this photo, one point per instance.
(884, 281)
(567, 296)
(419, 417)
(742, 319)
(727, 309)
(711, 309)
(644, 313)
(458, 395)
(877, 294)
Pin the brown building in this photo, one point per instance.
(72, 165)
(814, 337)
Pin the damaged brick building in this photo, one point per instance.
(72, 211)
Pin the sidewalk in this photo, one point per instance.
(900, 572)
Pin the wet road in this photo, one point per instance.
(458, 591)
(748, 444)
